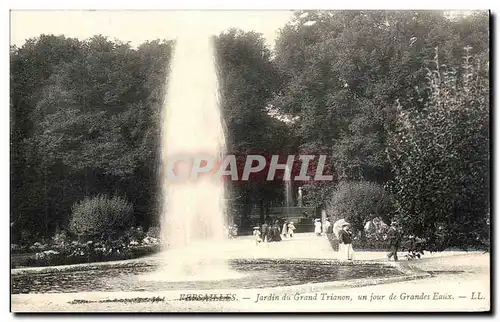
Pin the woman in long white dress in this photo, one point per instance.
(326, 226)
(317, 227)
(291, 228)
(257, 235)
(284, 230)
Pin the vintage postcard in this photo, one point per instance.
(250, 161)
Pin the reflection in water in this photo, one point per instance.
(257, 274)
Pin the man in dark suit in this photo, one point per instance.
(394, 236)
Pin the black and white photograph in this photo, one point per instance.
(250, 161)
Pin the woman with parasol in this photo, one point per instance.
(344, 235)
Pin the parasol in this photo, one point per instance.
(337, 226)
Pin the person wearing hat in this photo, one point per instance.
(317, 227)
(326, 226)
(284, 230)
(256, 235)
(276, 231)
(291, 228)
(264, 229)
(394, 236)
(346, 251)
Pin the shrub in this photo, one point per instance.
(358, 202)
(38, 246)
(101, 217)
(25, 238)
(61, 240)
(14, 248)
(150, 241)
(154, 232)
(134, 235)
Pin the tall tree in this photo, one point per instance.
(92, 126)
(440, 156)
(343, 70)
(248, 79)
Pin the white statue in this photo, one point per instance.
(299, 199)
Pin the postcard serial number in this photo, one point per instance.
(207, 297)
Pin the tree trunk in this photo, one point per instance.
(261, 211)
(247, 209)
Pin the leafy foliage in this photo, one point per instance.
(342, 73)
(83, 112)
(101, 216)
(440, 157)
(358, 202)
(248, 79)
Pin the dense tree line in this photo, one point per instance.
(85, 121)
(85, 117)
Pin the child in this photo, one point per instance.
(256, 235)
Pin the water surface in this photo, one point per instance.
(255, 274)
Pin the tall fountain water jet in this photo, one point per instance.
(194, 211)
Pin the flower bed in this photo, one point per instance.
(63, 251)
(79, 254)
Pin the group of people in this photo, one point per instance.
(288, 229)
(393, 236)
(231, 231)
(320, 228)
(273, 232)
(414, 245)
(376, 228)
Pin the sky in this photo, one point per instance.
(138, 26)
